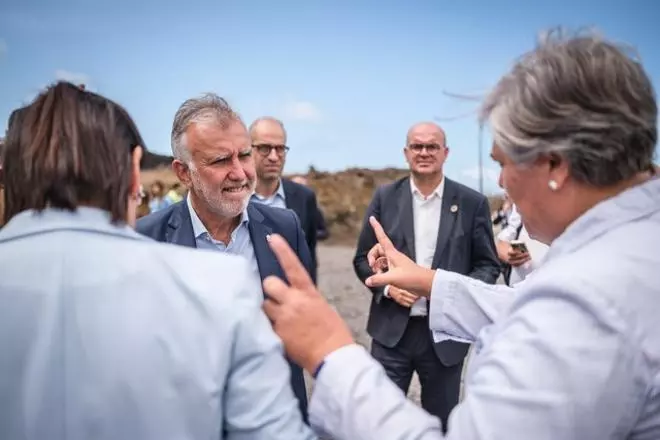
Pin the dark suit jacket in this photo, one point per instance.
(464, 244)
(302, 201)
(173, 225)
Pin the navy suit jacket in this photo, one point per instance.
(302, 201)
(464, 245)
(173, 225)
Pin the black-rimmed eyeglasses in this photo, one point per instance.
(430, 148)
(265, 149)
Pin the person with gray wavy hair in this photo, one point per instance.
(213, 160)
(571, 353)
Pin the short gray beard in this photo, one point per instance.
(215, 202)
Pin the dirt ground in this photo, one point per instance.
(343, 290)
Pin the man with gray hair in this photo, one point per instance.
(213, 160)
(571, 353)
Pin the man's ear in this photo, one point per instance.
(182, 172)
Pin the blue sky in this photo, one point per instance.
(347, 78)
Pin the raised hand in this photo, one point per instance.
(402, 272)
(308, 326)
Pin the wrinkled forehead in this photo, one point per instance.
(210, 138)
(426, 134)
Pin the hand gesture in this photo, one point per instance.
(402, 272)
(308, 326)
(402, 297)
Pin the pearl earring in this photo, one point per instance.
(553, 185)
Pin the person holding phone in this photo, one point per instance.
(520, 254)
(575, 353)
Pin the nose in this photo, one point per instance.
(272, 155)
(425, 152)
(500, 183)
(237, 172)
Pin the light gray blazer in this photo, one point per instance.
(571, 353)
(108, 335)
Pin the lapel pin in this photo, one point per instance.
(453, 208)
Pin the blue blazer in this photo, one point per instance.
(173, 225)
(302, 201)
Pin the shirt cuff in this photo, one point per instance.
(334, 385)
(443, 294)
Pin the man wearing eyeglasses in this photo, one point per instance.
(268, 138)
(440, 224)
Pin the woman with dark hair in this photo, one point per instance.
(106, 334)
(55, 155)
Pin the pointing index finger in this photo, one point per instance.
(291, 265)
(381, 236)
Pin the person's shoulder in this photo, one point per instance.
(156, 219)
(467, 195)
(189, 269)
(301, 190)
(275, 216)
(282, 221)
(386, 189)
(465, 191)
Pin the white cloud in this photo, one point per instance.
(72, 77)
(302, 111)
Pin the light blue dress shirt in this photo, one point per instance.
(277, 200)
(571, 353)
(240, 243)
(108, 335)
(156, 204)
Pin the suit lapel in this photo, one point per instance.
(180, 230)
(266, 260)
(290, 198)
(447, 220)
(406, 216)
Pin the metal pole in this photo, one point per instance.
(480, 146)
(481, 158)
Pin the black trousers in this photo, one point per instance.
(414, 353)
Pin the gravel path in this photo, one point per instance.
(340, 285)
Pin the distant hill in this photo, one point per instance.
(151, 160)
(343, 196)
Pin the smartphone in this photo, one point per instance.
(519, 246)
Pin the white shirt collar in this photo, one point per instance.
(437, 192)
(198, 227)
(278, 193)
